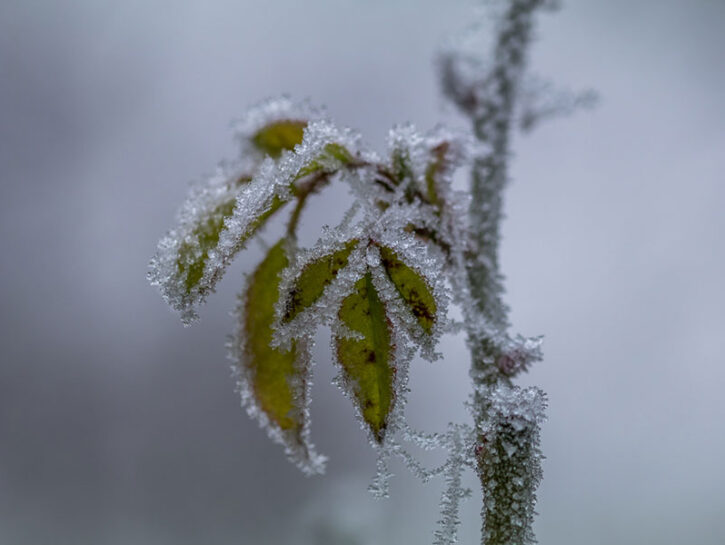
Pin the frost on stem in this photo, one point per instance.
(507, 418)
(509, 462)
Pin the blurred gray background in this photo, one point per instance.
(119, 426)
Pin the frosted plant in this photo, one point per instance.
(383, 278)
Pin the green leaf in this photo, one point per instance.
(313, 280)
(279, 136)
(332, 158)
(367, 362)
(412, 287)
(271, 370)
(194, 251)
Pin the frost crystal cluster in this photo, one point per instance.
(382, 279)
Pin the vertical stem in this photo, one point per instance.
(492, 127)
(501, 474)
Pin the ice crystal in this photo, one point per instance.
(459, 446)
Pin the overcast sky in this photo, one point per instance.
(118, 425)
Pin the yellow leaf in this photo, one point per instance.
(367, 362)
(412, 287)
(279, 136)
(313, 280)
(271, 370)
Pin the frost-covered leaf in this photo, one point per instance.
(279, 136)
(412, 287)
(273, 382)
(332, 157)
(216, 222)
(186, 265)
(273, 126)
(194, 250)
(314, 278)
(367, 359)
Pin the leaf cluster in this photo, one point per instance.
(378, 279)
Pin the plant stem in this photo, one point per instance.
(492, 126)
(491, 114)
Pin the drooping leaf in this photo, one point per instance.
(412, 287)
(367, 363)
(270, 368)
(313, 280)
(274, 379)
(278, 136)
